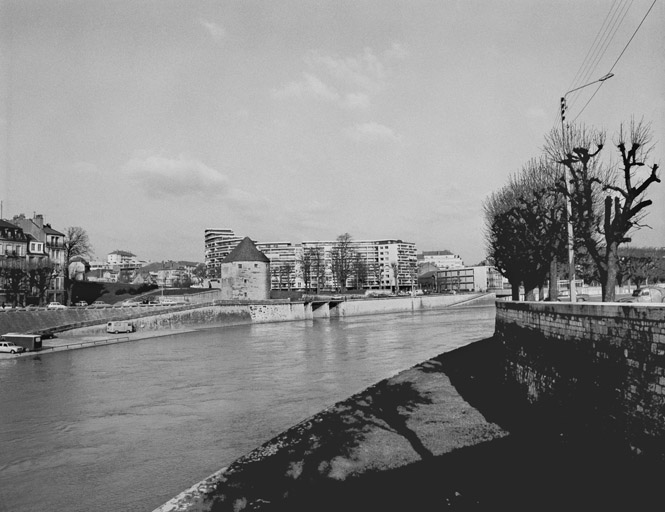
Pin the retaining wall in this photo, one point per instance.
(600, 364)
(93, 321)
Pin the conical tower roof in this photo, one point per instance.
(246, 251)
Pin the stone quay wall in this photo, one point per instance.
(599, 364)
(92, 321)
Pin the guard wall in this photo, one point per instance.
(600, 364)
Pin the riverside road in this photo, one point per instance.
(126, 427)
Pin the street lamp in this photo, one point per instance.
(571, 238)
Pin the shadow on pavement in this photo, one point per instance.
(538, 461)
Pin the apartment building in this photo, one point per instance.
(31, 242)
(380, 263)
(124, 260)
(45, 244)
(218, 245)
(383, 263)
(442, 259)
(285, 264)
(467, 279)
(13, 241)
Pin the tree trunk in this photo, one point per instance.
(515, 291)
(554, 280)
(610, 281)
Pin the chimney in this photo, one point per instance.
(39, 220)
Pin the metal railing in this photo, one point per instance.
(81, 344)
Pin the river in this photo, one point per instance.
(126, 427)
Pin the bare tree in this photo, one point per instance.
(359, 269)
(76, 244)
(13, 273)
(319, 267)
(342, 260)
(40, 276)
(524, 229)
(287, 270)
(394, 265)
(604, 225)
(305, 260)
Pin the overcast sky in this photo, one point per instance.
(146, 122)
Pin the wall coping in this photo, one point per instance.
(640, 311)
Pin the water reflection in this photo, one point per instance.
(128, 426)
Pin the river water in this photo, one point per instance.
(126, 427)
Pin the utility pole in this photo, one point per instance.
(569, 209)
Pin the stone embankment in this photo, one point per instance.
(92, 321)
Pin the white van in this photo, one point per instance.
(119, 326)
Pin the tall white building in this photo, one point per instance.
(285, 271)
(218, 244)
(124, 260)
(385, 263)
(442, 259)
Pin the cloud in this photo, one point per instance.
(350, 82)
(216, 31)
(181, 176)
(310, 86)
(372, 132)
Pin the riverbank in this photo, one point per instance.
(90, 341)
(442, 434)
(91, 332)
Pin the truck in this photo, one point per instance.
(119, 326)
(30, 342)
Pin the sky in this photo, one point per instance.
(147, 122)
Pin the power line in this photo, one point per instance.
(573, 83)
(631, 37)
(618, 58)
(610, 33)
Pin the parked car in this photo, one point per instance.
(81, 304)
(10, 347)
(99, 304)
(55, 305)
(130, 303)
(646, 294)
(171, 302)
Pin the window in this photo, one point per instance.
(239, 265)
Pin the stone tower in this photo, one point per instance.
(245, 273)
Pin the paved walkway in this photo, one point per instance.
(441, 435)
(69, 342)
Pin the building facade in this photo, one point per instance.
(377, 264)
(442, 259)
(285, 265)
(218, 245)
(466, 279)
(40, 247)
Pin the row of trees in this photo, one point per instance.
(345, 264)
(527, 221)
